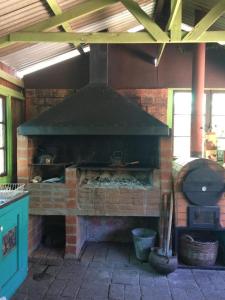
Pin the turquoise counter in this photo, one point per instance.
(13, 244)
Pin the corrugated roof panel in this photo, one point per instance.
(109, 19)
(34, 54)
(21, 17)
(189, 6)
(24, 13)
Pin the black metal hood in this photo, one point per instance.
(95, 109)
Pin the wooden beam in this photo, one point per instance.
(107, 37)
(54, 6)
(174, 25)
(5, 91)
(151, 27)
(161, 50)
(11, 78)
(88, 38)
(73, 13)
(208, 20)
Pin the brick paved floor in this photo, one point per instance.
(110, 271)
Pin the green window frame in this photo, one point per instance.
(8, 94)
(3, 129)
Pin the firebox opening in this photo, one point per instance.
(54, 232)
(112, 229)
(49, 247)
(53, 154)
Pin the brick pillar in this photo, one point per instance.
(71, 184)
(35, 232)
(71, 237)
(71, 220)
(24, 157)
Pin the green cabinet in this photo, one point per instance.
(13, 245)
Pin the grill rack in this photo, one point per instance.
(9, 190)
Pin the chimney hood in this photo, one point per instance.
(95, 109)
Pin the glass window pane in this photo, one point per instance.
(181, 146)
(182, 125)
(1, 110)
(2, 135)
(221, 144)
(2, 161)
(182, 103)
(218, 104)
(218, 125)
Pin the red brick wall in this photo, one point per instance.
(37, 101)
(34, 232)
(154, 101)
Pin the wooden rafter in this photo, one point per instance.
(208, 20)
(106, 37)
(73, 13)
(56, 9)
(173, 25)
(151, 27)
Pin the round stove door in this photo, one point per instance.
(203, 186)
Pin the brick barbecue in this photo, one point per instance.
(91, 196)
(72, 200)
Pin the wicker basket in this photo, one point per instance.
(198, 253)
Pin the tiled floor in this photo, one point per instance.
(110, 271)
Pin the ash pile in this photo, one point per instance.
(115, 180)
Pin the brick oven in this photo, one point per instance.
(199, 201)
(113, 160)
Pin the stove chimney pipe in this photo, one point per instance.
(99, 64)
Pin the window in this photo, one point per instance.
(2, 137)
(182, 123)
(218, 118)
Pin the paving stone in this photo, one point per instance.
(194, 293)
(116, 292)
(118, 254)
(53, 270)
(132, 292)
(103, 275)
(71, 288)
(101, 254)
(155, 293)
(75, 269)
(179, 294)
(125, 277)
(20, 296)
(58, 298)
(71, 262)
(110, 271)
(37, 288)
(57, 287)
(214, 295)
(94, 291)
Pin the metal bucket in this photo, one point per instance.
(144, 240)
